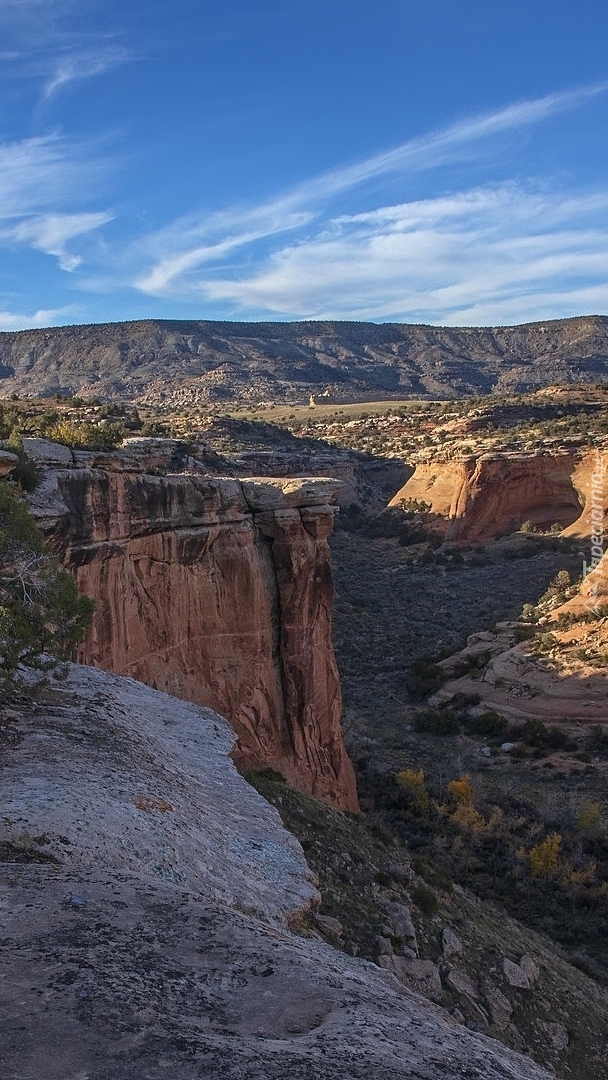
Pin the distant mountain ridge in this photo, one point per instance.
(197, 362)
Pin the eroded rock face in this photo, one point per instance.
(218, 591)
(365, 481)
(478, 497)
(562, 680)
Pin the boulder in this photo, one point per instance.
(557, 1034)
(460, 981)
(499, 1006)
(46, 452)
(515, 975)
(420, 975)
(399, 920)
(451, 945)
(531, 968)
(7, 462)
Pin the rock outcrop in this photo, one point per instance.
(478, 497)
(147, 893)
(557, 675)
(365, 481)
(218, 591)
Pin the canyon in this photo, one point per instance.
(474, 497)
(216, 586)
(215, 590)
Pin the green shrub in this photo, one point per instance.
(437, 722)
(489, 725)
(87, 436)
(424, 678)
(42, 615)
(25, 473)
(425, 900)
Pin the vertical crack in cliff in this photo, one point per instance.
(277, 623)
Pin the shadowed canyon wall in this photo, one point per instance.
(218, 591)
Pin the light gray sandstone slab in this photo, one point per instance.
(47, 452)
(156, 944)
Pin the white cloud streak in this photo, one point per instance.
(367, 265)
(37, 178)
(54, 44)
(475, 256)
(51, 317)
(46, 172)
(450, 143)
(50, 233)
(221, 233)
(85, 64)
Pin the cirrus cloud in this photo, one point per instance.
(474, 255)
(483, 253)
(51, 233)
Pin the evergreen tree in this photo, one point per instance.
(42, 615)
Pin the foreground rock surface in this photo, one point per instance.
(145, 892)
(215, 590)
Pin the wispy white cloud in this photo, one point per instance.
(51, 233)
(482, 255)
(82, 64)
(50, 317)
(53, 44)
(38, 178)
(47, 172)
(450, 143)
(336, 248)
(217, 236)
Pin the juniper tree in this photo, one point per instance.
(42, 615)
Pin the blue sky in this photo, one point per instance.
(441, 161)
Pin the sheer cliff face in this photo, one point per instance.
(478, 497)
(218, 591)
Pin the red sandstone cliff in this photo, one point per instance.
(480, 496)
(218, 591)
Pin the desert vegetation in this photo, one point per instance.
(42, 615)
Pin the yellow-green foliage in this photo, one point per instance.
(544, 857)
(413, 782)
(86, 436)
(589, 817)
(462, 791)
(468, 818)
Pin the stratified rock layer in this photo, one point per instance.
(481, 496)
(562, 680)
(218, 591)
